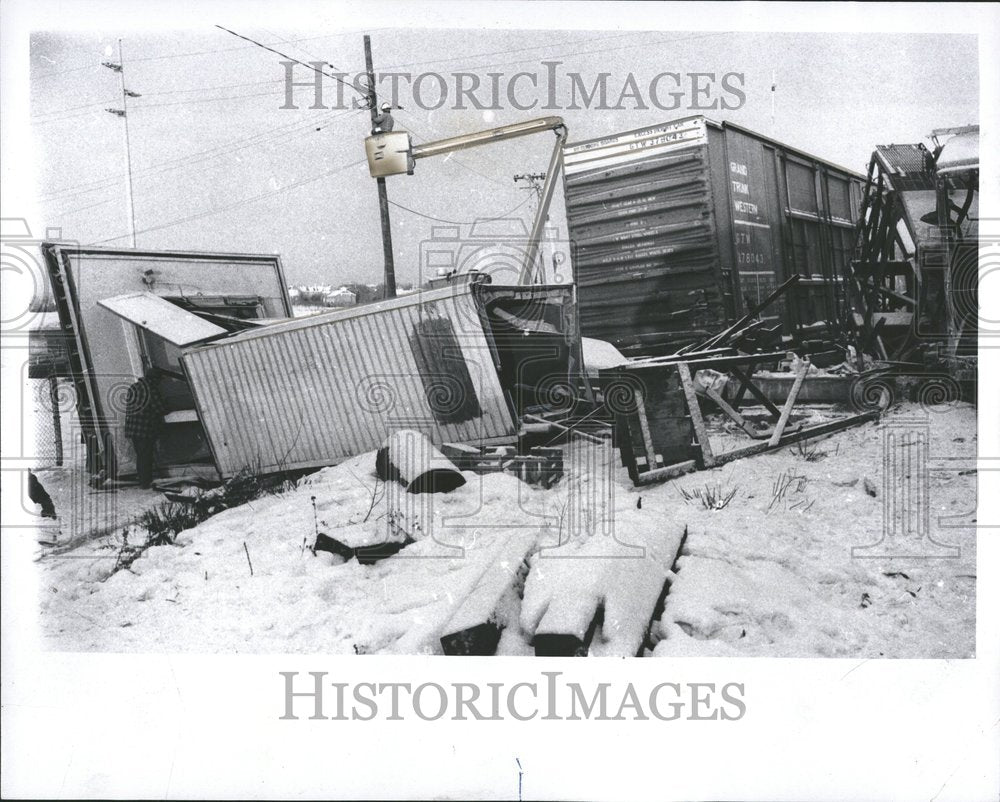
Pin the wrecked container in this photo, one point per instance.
(248, 388)
(312, 391)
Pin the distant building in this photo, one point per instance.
(340, 297)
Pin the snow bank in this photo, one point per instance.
(758, 577)
(780, 579)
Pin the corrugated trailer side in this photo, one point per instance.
(313, 391)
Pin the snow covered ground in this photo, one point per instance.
(762, 576)
(786, 578)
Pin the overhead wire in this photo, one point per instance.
(290, 58)
(186, 166)
(297, 128)
(269, 136)
(236, 204)
(511, 50)
(141, 194)
(503, 216)
(212, 51)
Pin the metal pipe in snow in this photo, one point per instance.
(410, 458)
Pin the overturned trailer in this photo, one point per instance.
(313, 391)
(679, 228)
(246, 391)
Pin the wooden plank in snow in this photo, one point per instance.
(589, 599)
(568, 627)
(474, 628)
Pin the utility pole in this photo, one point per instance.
(534, 184)
(774, 86)
(383, 197)
(123, 113)
(534, 181)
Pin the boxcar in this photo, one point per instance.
(679, 228)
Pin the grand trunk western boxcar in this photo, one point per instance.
(679, 228)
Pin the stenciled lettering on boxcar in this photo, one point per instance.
(752, 245)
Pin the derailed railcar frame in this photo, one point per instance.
(914, 277)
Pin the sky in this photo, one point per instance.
(218, 165)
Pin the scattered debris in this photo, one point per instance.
(541, 466)
(785, 483)
(659, 421)
(496, 381)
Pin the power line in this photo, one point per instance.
(269, 136)
(237, 204)
(296, 129)
(73, 108)
(85, 208)
(671, 40)
(309, 66)
(45, 75)
(90, 186)
(95, 109)
(182, 167)
(282, 41)
(560, 56)
(503, 216)
(205, 100)
(213, 88)
(289, 58)
(392, 67)
(514, 50)
(190, 53)
(53, 116)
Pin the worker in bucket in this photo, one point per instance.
(144, 408)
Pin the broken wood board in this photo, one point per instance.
(633, 391)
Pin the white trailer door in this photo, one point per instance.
(162, 318)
